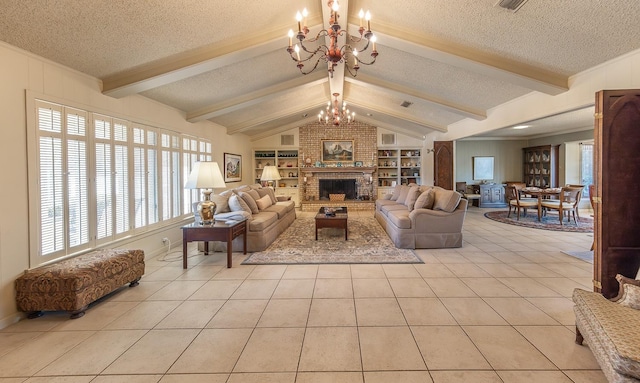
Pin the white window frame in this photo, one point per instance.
(177, 191)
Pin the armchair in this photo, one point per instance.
(462, 188)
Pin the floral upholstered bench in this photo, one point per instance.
(611, 329)
(71, 285)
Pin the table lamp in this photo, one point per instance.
(270, 173)
(205, 175)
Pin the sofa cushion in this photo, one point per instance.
(268, 191)
(392, 207)
(236, 203)
(446, 200)
(425, 200)
(382, 202)
(264, 202)
(412, 196)
(248, 199)
(262, 220)
(255, 186)
(222, 203)
(396, 193)
(400, 218)
(243, 188)
(404, 191)
(280, 208)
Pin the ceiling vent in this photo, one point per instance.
(406, 104)
(512, 5)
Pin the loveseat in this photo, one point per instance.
(267, 216)
(422, 217)
(611, 329)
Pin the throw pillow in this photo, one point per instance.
(237, 204)
(222, 203)
(254, 193)
(255, 186)
(387, 196)
(248, 199)
(268, 191)
(404, 191)
(396, 193)
(446, 200)
(414, 192)
(264, 202)
(630, 296)
(425, 200)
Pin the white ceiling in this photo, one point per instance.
(226, 61)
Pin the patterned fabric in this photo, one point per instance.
(548, 222)
(615, 329)
(74, 283)
(367, 243)
(630, 296)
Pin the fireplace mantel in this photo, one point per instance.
(364, 170)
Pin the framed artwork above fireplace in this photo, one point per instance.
(337, 151)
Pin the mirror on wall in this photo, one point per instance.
(482, 168)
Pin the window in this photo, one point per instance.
(100, 179)
(586, 167)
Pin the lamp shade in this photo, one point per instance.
(205, 175)
(270, 173)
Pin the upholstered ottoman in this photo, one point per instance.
(71, 285)
(612, 331)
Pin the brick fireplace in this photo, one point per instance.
(365, 150)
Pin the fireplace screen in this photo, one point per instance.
(338, 186)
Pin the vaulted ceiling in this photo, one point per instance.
(226, 61)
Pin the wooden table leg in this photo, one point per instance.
(184, 253)
(539, 208)
(229, 248)
(316, 231)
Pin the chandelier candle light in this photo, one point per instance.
(332, 54)
(336, 115)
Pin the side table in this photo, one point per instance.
(217, 231)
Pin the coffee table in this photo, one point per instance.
(339, 220)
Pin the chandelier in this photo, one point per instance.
(332, 54)
(336, 115)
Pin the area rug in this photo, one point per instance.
(549, 222)
(584, 255)
(367, 243)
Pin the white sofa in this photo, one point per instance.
(266, 221)
(422, 217)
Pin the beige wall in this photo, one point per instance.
(23, 75)
(507, 159)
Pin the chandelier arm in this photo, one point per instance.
(322, 33)
(318, 49)
(312, 69)
(310, 57)
(367, 63)
(354, 74)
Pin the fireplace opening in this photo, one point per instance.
(338, 186)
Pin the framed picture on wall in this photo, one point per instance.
(482, 168)
(232, 167)
(337, 150)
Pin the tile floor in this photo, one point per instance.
(496, 310)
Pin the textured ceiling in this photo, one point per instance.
(225, 61)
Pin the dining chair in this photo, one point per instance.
(512, 195)
(567, 202)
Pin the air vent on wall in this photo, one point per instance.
(286, 139)
(388, 139)
(512, 5)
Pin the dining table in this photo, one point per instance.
(541, 193)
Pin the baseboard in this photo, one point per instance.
(11, 319)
